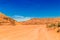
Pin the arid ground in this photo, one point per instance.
(33, 29)
(28, 32)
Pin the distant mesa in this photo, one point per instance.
(38, 21)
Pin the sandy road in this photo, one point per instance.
(45, 34)
(26, 32)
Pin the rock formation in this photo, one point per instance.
(50, 22)
(5, 20)
(39, 21)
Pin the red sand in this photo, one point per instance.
(27, 32)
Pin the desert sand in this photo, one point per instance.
(33, 29)
(27, 32)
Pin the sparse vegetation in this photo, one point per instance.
(55, 26)
(58, 24)
(51, 26)
(58, 30)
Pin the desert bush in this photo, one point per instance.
(58, 30)
(58, 25)
(52, 25)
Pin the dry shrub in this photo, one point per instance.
(51, 26)
(58, 25)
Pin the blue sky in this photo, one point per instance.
(31, 8)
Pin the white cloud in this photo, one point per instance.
(21, 18)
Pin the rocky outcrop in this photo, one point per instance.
(5, 20)
(38, 21)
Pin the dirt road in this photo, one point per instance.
(27, 32)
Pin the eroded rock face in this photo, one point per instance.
(5, 20)
(39, 21)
